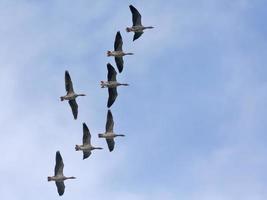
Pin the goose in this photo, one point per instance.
(59, 177)
(111, 84)
(86, 147)
(71, 95)
(137, 27)
(118, 52)
(109, 134)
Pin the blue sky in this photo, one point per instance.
(194, 114)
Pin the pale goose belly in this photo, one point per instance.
(109, 135)
(58, 178)
(69, 97)
(117, 53)
(86, 148)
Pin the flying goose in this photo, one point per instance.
(86, 147)
(118, 52)
(111, 84)
(137, 27)
(71, 95)
(109, 134)
(59, 177)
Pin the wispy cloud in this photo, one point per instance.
(194, 114)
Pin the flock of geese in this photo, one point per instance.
(112, 85)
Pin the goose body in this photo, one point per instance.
(137, 26)
(86, 147)
(118, 53)
(71, 95)
(59, 177)
(111, 84)
(109, 135)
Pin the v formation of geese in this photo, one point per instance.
(86, 147)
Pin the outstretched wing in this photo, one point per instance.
(137, 35)
(59, 164)
(111, 144)
(60, 187)
(111, 72)
(68, 83)
(118, 42)
(86, 135)
(136, 17)
(112, 95)
(74, 108)
(119, 63)
(86, 154)
(110, 122)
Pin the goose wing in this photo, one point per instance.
(86, 135)
(111, 144)
(68, 83)
(74, 108)
(111, 72)
(112, 95)
(137, 35)
(118, 42)
(60, 187)
(59, 164)
(110, 122)
(86, 154)
(136, 16)
(119, 63)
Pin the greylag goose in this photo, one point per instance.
(118, 52)
(59, 177)
(137, 27)
(71, 95)
(109, 134)
(112, 85)
(86, 147)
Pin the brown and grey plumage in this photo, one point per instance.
(59, 177)
(109, 128)
(71, 95)
(112, 85)
(137, 26)
(112, 95)
(118, 42)
(118, 52)
(86, 147)
(112, 74)
(112, 91)
(118, 47)
(136, 16)
(109, 134)
(74, 108)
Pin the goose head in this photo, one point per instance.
(71, 177)
(122, 135)
(80, 95)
